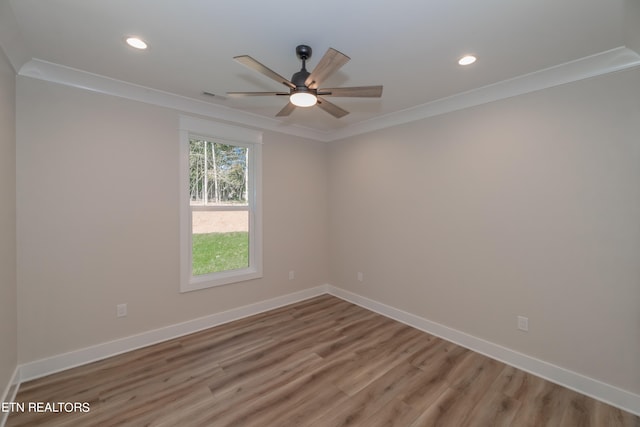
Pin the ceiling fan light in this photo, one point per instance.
(303, 99)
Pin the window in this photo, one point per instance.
(220, 221)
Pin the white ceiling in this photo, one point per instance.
(409, 46)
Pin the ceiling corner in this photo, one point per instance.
(11, 42)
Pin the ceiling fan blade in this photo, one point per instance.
(332, 109)
(359, 91)
(238, 94)
(329, 64)
(286, 110)
(248, 61)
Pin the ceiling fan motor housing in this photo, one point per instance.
(303, 51)
(300, 78)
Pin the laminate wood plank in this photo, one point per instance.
(442, 412)
(493, 409)
(363, 335)
(309, 336)
(274, 406)
(322, 362)
(394, 414)
(474, 374)
(578, 412)
(374, 362)
(178, 384)
(138, 364)
(322, 303)
(544, 406)
(502, 399)
(368, 324)
(231, 335)
(223, 356)
(317, 373)
(326, 309)
(368, 400)
(427, 387)
(469, 381)
(308, 406)
(239, 388)
(517, 384)
(143, 409)
(441, 354)
(188, 415)
(231, 396)
(606, 415)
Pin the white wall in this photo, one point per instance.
(97, 194)
(526, 206)
(8, 301)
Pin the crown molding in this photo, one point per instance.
(602, 63)
(590, 66)
(61, 74)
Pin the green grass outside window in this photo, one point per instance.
(215, 252)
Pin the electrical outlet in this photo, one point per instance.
(121, 310)
(292, 275)
(360, 276)
(523, 323)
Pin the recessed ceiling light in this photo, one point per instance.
(136, 42)
(467, 60)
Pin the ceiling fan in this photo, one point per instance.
(304, 88)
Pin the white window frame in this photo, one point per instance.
(191, 127)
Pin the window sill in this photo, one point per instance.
(220, 279)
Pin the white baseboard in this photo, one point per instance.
(50, 365)
(598, 390)
(614, 396)
(9, 393)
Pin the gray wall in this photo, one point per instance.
(526, 206)
(98, 209)
(8, 302)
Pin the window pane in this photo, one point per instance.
(220, 241)
(217, 173)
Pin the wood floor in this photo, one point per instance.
(322, 363)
